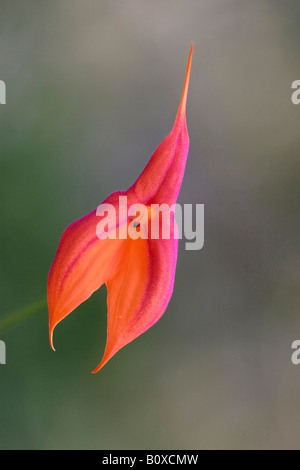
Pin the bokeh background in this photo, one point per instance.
(92, 89)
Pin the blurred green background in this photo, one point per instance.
(92, 89)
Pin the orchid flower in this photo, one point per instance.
(139, 272)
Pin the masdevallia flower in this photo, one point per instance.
(138, 271)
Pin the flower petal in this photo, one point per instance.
(139, 291)
(161, 179)
(82, 264)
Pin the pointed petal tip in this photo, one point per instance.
(101, 365)
(51, 337)
(182, 106)
(109, 352)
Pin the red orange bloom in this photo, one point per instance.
(139, 273)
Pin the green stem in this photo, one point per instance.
(22, 314)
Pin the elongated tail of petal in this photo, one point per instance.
(182, 106)
(162, 177)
